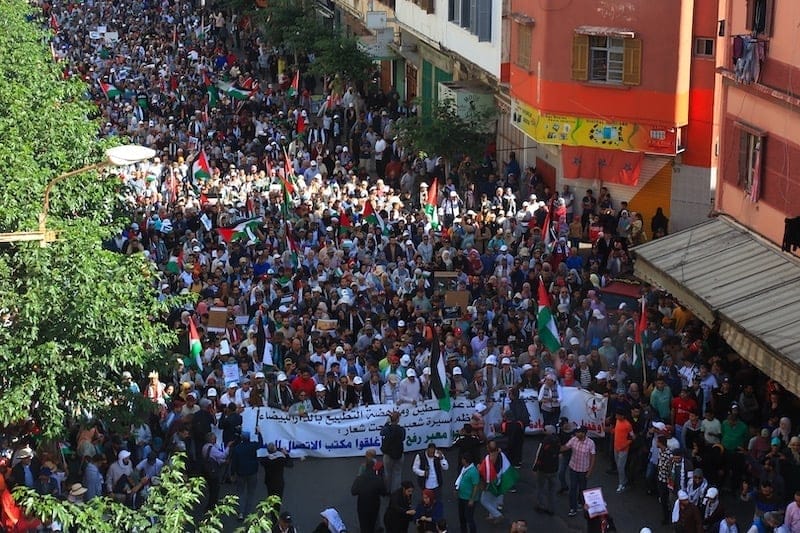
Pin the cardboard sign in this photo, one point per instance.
(326, 325)
(217, 319)
(458, 299)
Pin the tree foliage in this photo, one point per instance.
(170, 506)
(72, 315)
(446, 133)
(296, 26)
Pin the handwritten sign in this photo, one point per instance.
(338, 433)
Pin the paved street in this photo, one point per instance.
(315, 484)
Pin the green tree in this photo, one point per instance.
(73, 315)
(446, 133)
(340, 54)
(170, 506)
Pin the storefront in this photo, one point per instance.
(734, 279)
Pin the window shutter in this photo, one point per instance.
(580, 57)
(744, 156)
(770, 11)
(751, 13)
(473, 17)
(755, 186)
(451, 10)
(484, 20)
(430, 6)
(465, 10)
(632, 62)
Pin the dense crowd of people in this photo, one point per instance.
(315, 266)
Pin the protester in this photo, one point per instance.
(368, 487)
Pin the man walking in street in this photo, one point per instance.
(244, 465)
(623, 438)
(394, 436)
(368, 488)
(546, 468)
(468, 488)
(581, 465)
(428, 467)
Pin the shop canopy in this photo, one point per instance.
(730, 276)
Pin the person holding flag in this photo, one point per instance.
(499, 477)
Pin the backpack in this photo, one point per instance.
(212, 469)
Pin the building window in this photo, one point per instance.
(475, 16)
(607, 59)
(704, 47)
(751, 148)
(524, 45)
(759, 16)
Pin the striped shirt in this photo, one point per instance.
(582, 452)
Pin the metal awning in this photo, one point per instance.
(730, 276)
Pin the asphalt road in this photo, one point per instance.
(315, 484)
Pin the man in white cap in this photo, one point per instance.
(685, 515)
(409, 388)
(118, 475)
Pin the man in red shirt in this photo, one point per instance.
(623, 438)
(681, 407)
(304, 383)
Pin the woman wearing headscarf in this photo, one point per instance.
(428, 512)
(331, 522)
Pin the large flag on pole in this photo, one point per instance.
(291, 246)
(439, 388)
(235, 92)
(211, 89)
(547, 233)
(195, 346)
(245, 229)
(548, 332)
(372, 217)
(294, 88)
(109, 90)
(431, 204)
(201, 170)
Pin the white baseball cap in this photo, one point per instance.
(411, 373)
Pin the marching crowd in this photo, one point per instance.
(315, 254)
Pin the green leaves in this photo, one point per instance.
(446, 133)
(170, 506)
(72, 315)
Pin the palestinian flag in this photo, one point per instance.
(211, 89)
(548, 333)
(547, 234)
(498, 480)
(201, 170)
(292, 246)
(288, 203)
(195, 346)
(235, 92)
(245, 229)
(439, 388)
(109, 90)
(431, 205)
(371, 217)
(345, 224)
(294, 88)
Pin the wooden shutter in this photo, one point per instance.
(744, 157)
(632, 62)
(484, 20)
(451, 10)
(770, 12)
(430, 6)
(580, 57)
(751, 13)
(473, 17)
